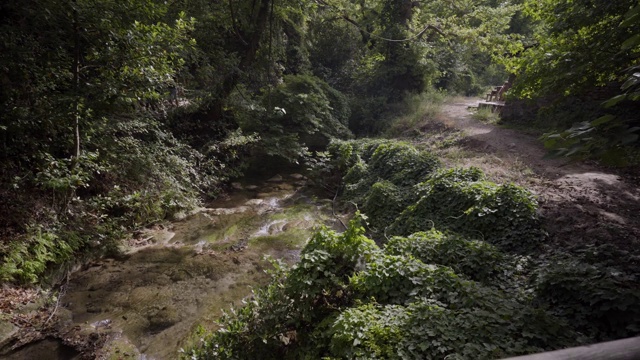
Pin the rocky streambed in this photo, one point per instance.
(173, 277)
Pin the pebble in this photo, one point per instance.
(236, 185)
(277, 178)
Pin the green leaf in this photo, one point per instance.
(602, 120)
(633, 80)
(631, 42)
(614, 101)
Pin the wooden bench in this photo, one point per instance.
(494, 106)
(493, 95)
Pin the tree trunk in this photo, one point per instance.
(252, 39)
(76, 83)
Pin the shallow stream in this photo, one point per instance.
(174, 277)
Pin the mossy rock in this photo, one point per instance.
(163, 318)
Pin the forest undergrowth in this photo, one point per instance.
(440, 261)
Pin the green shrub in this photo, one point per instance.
(300, 114)
(477, 260)
(27, 259)
(402, 164)
(366, 162)
(348, 299)
(486, 115)
(383, 203)
(426, 330)
(347, 153)
(504, 215)
(394, 279)
(414, 112)
(599, 301)
(301, 301)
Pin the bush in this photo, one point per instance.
(348, 299)
(29, 257)
(366, 162)
(383, 203)
(477, 260)
(426, 330)
(414, 112)
(402, 164)
(392, 279)
(303, 112)
(504, 215)
(602, 302)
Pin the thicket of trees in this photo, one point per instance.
(575, 50)
(460, 268)
(119, 113)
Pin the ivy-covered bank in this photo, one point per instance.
(459, 269)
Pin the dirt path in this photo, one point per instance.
(580, 203)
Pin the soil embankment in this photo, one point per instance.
(581, 203)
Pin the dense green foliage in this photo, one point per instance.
(477, 260)
(567, 63)
(504, 215)
(381, 175)
(347, 298)
(84, 155)
(118, 114)
(399, 187)
(484, 288)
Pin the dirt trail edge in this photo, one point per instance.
(580, 203)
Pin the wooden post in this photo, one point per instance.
(626, 349)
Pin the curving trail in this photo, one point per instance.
(581, 203)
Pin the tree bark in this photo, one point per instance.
(252, 39)
(76, 83)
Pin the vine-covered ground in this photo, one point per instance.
(451, 260)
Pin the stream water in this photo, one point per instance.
(174, 277)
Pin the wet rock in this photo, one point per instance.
(251, 187)
(325, 202)
(164, 318)
(286, 187)
(290, 225)
(228, 211)
(179, 216)
(300, 183)
(297, 176)
(119, 347)
(277, 178)
(102, 324)
(254, 202)
(179, 275)
(93, 308)
(600, 234)
(7, 332)
(236, 185)
(264, 195)
(44, 349)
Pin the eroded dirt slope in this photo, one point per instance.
(581, 203)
